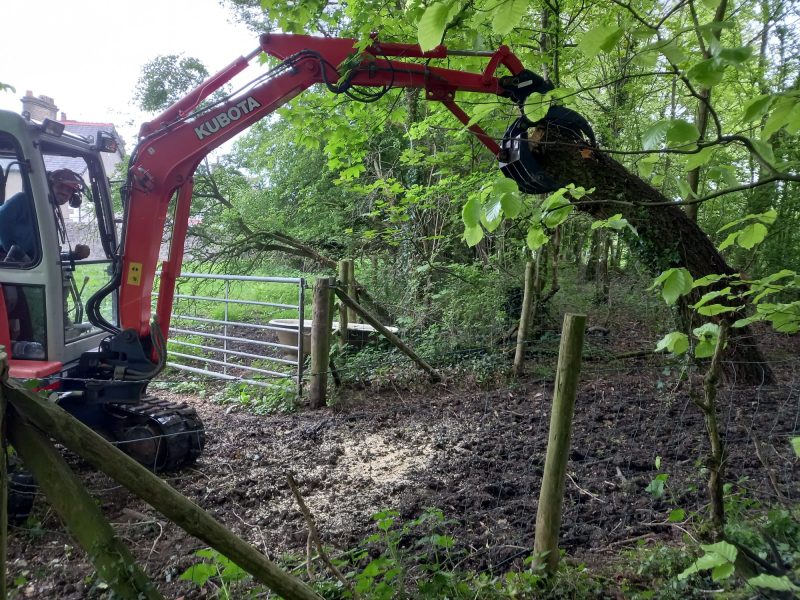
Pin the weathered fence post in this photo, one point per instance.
(344, 312)
(3, 478)
(362, 312)
(524, 319)
(351, 289)
(320, 342)
(551, 496)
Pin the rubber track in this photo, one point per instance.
(181, 428)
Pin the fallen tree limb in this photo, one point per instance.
(160, 495)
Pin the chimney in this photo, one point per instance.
(40, 108)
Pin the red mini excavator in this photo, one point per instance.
(95, 357)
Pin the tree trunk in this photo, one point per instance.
(667, 236)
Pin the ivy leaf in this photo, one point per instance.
(471, 213)
(757, 107)
(707, 73)
(751, 235)
(674, 342)
(681, 131)
(432, 24)
(473, 235)
(508, 15)
(536, 238)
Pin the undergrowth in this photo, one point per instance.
(418, 559)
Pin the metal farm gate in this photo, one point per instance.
(213, 332)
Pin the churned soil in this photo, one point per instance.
(475, 452)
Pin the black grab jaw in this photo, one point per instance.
(520, 163)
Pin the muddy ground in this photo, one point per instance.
(475, 452)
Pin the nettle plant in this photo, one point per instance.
(733, 294)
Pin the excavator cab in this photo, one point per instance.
(52, 251)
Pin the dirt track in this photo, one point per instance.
(476, 455)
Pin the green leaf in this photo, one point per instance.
(536, 106)
(676, 516)
(717, 309)
(536, 238)
(645, 165)
(681, 131)
(511, 204)
(707, 73)
(765, 150)
(674, 342)
(471, 213)
(651, 140)
(751, 235)
(728, 241)
(796, 445)
(735, 56)
(508, 15)
(779, 118)
(199, 573)
(771, 582)
(726, 550)
(757, 107)
(673, 53)
(493, 212)
(694, 161)
(599, 39)
(677, 283)
(707, 297)
(721, 572)
(473, 235)
(707, 280)
(432, 24)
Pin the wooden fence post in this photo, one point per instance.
(344, 312)
(524, 319)
(551, 496)
(351, 289)
(320, 342)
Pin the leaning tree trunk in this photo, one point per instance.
(667, 237)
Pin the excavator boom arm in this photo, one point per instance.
(173, 144)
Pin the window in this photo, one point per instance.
(19, 234)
